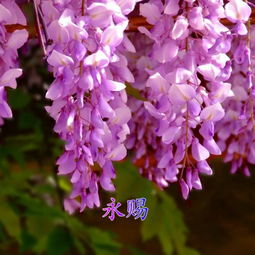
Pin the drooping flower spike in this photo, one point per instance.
(192, 74)
(88, 93)
(185, 88)
(236, 132)
(10, 42)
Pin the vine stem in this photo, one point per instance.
(187, 114)
(186, 142)
(250, 68)
(43, 25)
(38, 26)
(83, 3)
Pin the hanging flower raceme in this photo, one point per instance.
(185, 89)
(88, 93)
(10, 42)
(236, 132)
(190, 79)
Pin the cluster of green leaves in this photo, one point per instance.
(31, 220)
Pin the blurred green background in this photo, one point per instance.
(219, 220)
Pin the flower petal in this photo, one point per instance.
(57, 59)
(118, 153)
(172, 7)
(181, 93)
(9, 77)
(100, 15)
(213, 112)
(68, 165)
(5, 14)
(184, 189)
(209, 71)
(180, 27)
(98, 59)
(237, 10)
(150, 11)
(170, 134)
(17, 39)
(114, 85)
(212, 146)
(157, 83)
(153, 111)
(204, 168)
(123, 115)
(112, 36)
(166, 52)
(199, 152)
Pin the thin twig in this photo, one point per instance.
(38, 25)
(134, 23)
(43, 24)
(83, 7)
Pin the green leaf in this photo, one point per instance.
(27, 241)
(164, 220)
(59, 242)
(102, 242)
(41, 245)
(39, 226)
(10, 220)
(18, 99)
(34, 207)
(129, 183)
(131, 91)
(79, 246)
(64, 184)
(28, 120)
(166, 244)
(3, 236)
(150, 226)
(156, 224)
(136, 251)
(188, 251)
(77, 228)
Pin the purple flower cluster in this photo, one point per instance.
(10, 14)
(236, 132)
(88, 93)
(188, 69)
(191, 76)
